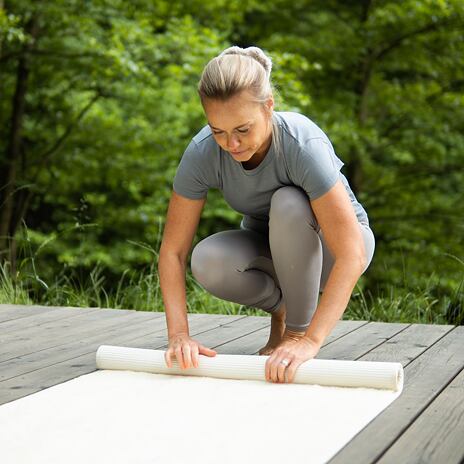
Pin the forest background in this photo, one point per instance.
(98, 102)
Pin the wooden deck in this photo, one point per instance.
(42, 346)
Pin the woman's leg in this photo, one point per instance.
(236, 265)
(300, 256)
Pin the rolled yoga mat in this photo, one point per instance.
(328, 372)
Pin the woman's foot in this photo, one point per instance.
(277, 331)
(293, 335)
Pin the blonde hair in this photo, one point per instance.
(239, 69)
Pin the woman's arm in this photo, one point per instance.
(342, 234)
(182, 220)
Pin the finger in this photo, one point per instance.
(187, 356)
(273, 369)
(267, 371)
(180, 356)
(281, 372)
(167, 358)
(281, 368)
(291, 371)
(207, 351)
(195, 356)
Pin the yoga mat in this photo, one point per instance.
(135, 409)
(369, 374)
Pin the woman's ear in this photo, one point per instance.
(270, 103)
(269, 106)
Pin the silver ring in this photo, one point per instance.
(285, 362)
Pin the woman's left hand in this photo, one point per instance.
(295, 352)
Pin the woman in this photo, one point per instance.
(303, 231)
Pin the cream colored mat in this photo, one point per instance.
(223, 411)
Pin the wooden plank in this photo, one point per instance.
(13, 326)
(56, 320)
(129, 331)
(74, 347)
(342, 329)
(408, 344)
(359, 342)
(437, 434)
(11, 312)
(251, 343)
(223, 334)
(56, 333)
(425, 378)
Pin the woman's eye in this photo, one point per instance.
(242, 131)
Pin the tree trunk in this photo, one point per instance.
(13, 151)
(361, 89)
(1, 8)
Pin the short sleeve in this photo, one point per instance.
(316, 167)
(189, 180)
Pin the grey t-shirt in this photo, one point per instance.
(306, 159)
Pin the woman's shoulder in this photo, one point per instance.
(299, 126)
(202, 145)
(203, 135)
(305, 143)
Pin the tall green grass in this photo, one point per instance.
(141, 291)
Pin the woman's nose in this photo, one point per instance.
(233, 143)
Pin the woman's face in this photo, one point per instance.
(240, 126)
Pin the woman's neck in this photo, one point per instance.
(259, 155)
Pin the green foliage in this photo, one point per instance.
(111, 104)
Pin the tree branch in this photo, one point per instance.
(452, 86)
(53, 53)
(47, 154)
(399, 40)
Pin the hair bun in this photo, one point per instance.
(252, 52)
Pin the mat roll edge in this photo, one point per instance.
(326, 372)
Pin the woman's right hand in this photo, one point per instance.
(186, 351)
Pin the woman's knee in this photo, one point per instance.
(369, 244)
(290, 205)
(218, 257)
(207, 262)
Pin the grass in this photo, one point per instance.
(134, 291)
(12, 291)
(141, 291)
(420, 307)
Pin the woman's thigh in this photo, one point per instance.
(216, 258)
(219, 256)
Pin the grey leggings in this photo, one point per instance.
(291, 262)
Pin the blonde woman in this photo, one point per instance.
(303, 231)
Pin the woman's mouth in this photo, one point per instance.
(236, 153)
